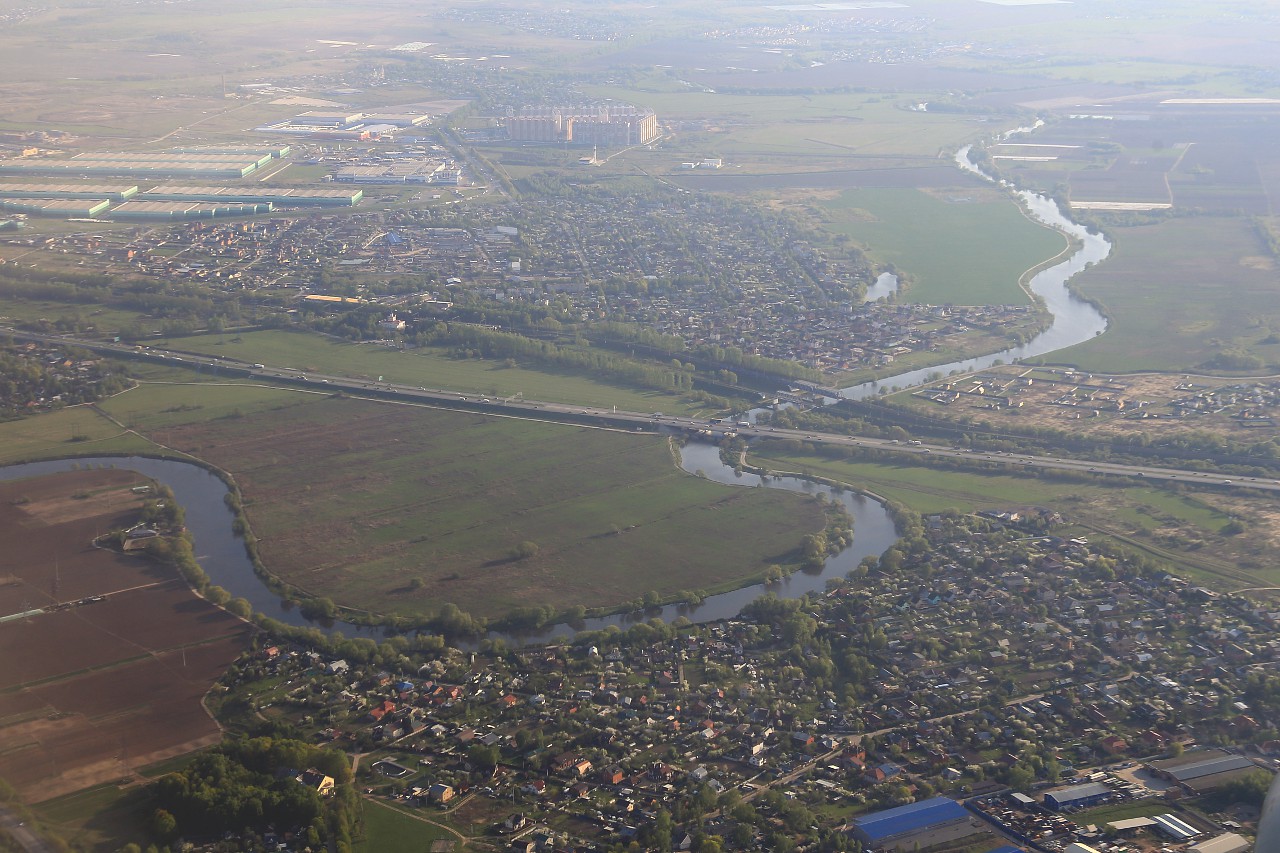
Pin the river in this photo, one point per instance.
(222, 555)
(1074, 320)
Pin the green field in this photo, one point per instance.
(1182, 527)
(388, 828)
(429, 368)
(966, 246)
(397, 509)
(154, 406)
(78, 431)
(99, 818)
(1179, 293)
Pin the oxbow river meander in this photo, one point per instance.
(222, 554)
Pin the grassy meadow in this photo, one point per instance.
(965, 246)
(1177, 294)
(78, 431)
(398, 509)
(429, 368)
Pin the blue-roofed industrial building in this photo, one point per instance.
(883, 829)
(1007, 849)
(1077, 796)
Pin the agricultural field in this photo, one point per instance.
(426, 367)
(78, 431)
(1209, 158)
(94, 691)
(1174, 305)
(435, 506)
(978, 241)
(1190, 529)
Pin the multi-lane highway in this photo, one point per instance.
(646, 421)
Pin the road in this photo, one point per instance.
(21, 833)
(640, 421)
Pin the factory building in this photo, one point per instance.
(322, 124)
(65, 208)
(281, 196)
(323, 118)
(1077, 796)
(257, 158)
(279, 152)
(184, 210)
(1229, 842)
(603, 125)
(1202, 770)
(117, 192)
(894, 827)
(140, 166)
(412, 172)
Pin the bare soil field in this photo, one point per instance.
(90, 691)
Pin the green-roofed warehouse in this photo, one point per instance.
(192, 167)
(278, 151)
(118, 192)
(67, 208)
(282, 196)
(185, 210)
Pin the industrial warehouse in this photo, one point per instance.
(282, 196)
(925, 823)
(65, 208)
(320, 124)
(227, 166)
(1077, 796)
(1203, 770)
(73, 201)
(96, 191)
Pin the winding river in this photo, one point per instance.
(1074, 320)
(221, 552)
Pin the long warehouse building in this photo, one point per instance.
(282, 196)
(185, 210)
(116, 192)
(195, 168)
(887, 828)
(66, 208)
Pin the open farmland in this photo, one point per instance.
(979, 242)
(90, 692)
(427, 367)
(415, 507)
(78, 431)
(1174, 305)
(1214, 158)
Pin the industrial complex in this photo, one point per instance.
(349, 126)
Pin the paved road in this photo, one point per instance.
(21, 833)
(639, 421)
